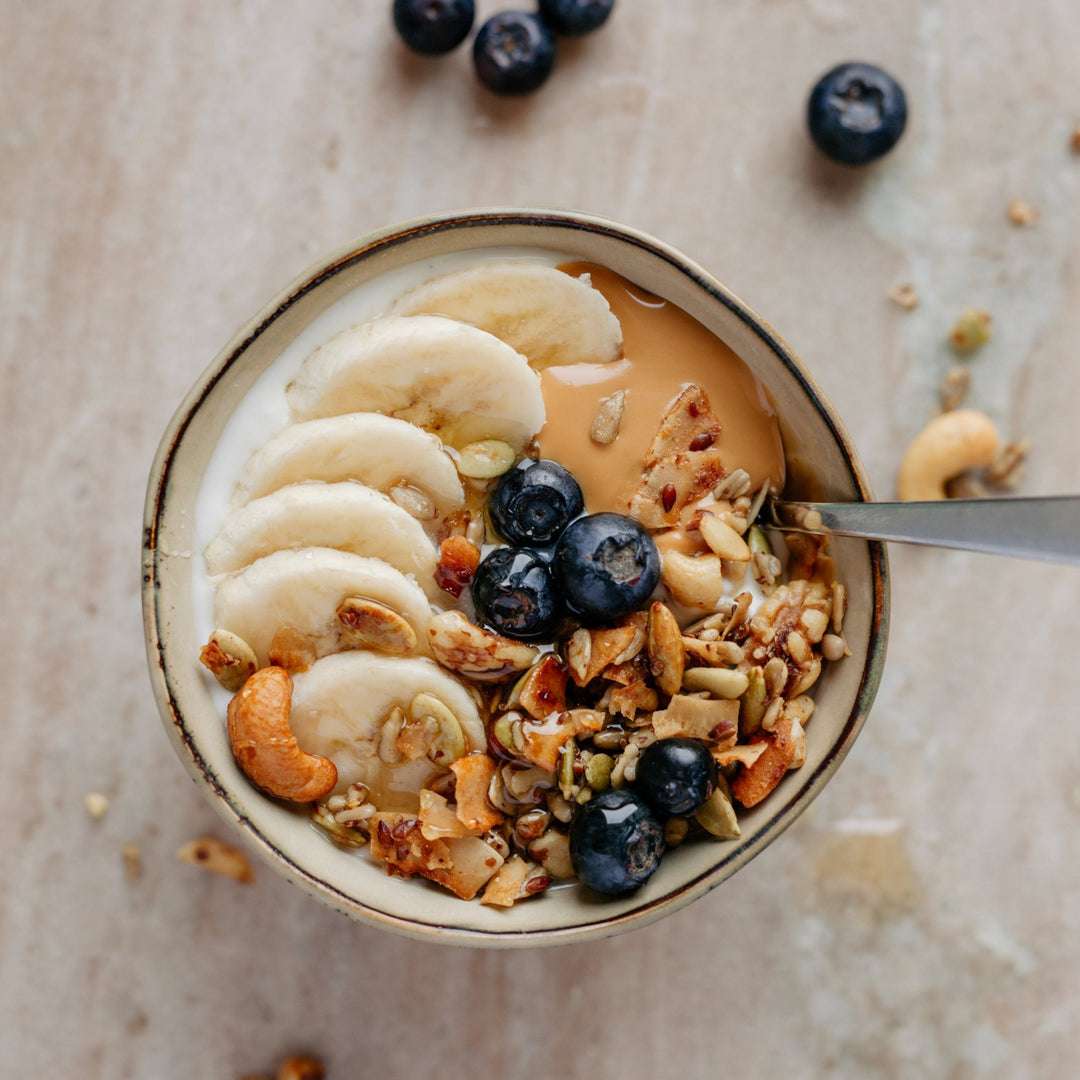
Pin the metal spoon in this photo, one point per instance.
(1046, 528)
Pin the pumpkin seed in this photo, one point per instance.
(449, 743)
(717, 816)
(230, 658)
(486, 459)
(598, 771)
(720, 682)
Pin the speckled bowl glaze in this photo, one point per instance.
(817, 447)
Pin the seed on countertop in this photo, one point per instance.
(954, 387)
(904, 296)
(971, 330)
(132, 862)
(96, 804)
(221, 858)
(1022, 213)
(302, 1068)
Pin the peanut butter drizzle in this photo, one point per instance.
(664, 349)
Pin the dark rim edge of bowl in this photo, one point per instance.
(345, 257)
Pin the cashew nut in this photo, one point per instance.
(264, 745)
(949, 445)
(696, 581)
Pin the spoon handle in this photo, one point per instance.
(1046, 528)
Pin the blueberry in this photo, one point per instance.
(856, 113)
(514, 53)
(514, 594)
(615, 842)
(605, 566)
(675, 776)
(532, 506)
(575, 17)
(432, 27)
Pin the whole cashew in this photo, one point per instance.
(696, 581)
(949, 445)
(264, 745)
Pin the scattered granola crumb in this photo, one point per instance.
(905, 296)
(96, 804)
(132, 862)
(971, 330)
(1075, 141)
(302, 1068)
(213, 855)
(954, 387)
(1022, 213)
(1007, 468)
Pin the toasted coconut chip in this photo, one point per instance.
(602, 649)
(688, 424)
(629, 700)
(744, 754)
(543, 690)
(698, 718)
(672, 483)
(474, 810)
(439, 820)
(510, 884)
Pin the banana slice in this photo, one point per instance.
(342, 702)
(375, 450)
(304, 589)
(454, 380)
(548, 316)
(346, 516)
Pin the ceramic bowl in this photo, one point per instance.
(817, 446)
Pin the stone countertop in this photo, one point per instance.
(168, 167)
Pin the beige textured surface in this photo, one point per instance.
(167, 167)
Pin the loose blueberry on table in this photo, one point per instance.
(513, 53)
(575, 17)
(615, 842)
(433, 27)
(533, 505)
(514, 594)
(856, 113)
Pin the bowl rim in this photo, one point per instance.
(169, 707)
